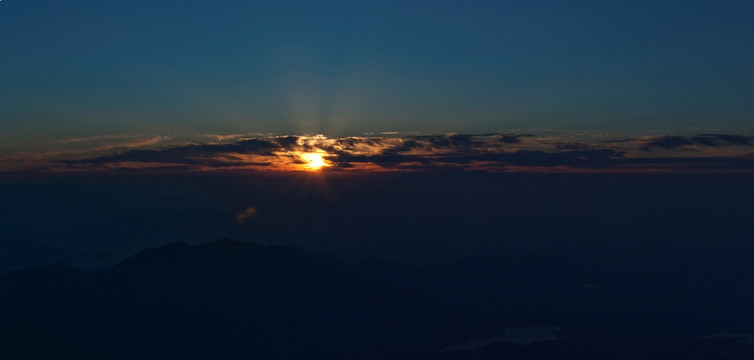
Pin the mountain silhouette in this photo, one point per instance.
(225, 299)
(240, 300)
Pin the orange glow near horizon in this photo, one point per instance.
(313, 161)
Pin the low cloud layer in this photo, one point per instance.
(708, 140)
(496, 152)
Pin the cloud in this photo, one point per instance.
(479, 152)
(580, 146)
(88, 139)
(513, 138)
(721, 139)
(671, 142)
(209, 155)
(667, 142)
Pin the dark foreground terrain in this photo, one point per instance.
(437, 265)
(642, 220)
(239, 300)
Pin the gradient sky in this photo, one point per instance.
(91, 67)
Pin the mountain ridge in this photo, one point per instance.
(233, 299)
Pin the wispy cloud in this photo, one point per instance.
(709, 140)
(89, 139)
(496, 152)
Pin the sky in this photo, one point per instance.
(187, 70)
(601, 151)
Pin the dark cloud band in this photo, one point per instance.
(488, 152)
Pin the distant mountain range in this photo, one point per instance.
(21, 254)
(240, 300)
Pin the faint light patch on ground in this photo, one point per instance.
(747, 338)
(525, 335)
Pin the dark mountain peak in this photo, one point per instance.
(162, 255)
(230, 244)
(251, 250)
(56, 271)
(289, 248)
(176, 248)
(226, 256)
(63, 267)
(227, 242)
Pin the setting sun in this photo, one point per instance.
(314, 161)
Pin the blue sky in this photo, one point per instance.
(85, 68)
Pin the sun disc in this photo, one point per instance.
(313, 161)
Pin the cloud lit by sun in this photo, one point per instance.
(495, 152)
(313, 161)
